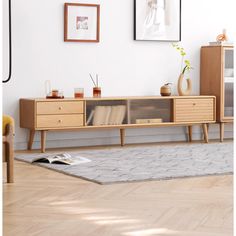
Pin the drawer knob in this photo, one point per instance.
(194, 104)
(59, 121)
(60, 108)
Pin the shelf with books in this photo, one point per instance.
(106, 113)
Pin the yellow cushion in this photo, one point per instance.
(5, 121)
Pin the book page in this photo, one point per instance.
(57, 157)
(75, 160)
(99, 115)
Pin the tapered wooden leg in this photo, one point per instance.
(43, 140)
(4, 152)
(122, 137)
(222, 130)
(9, 151)
(190, 132)
(10, 162)
(208, 127)
(204, 127)
(31, 139)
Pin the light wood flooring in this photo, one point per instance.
(44, 202)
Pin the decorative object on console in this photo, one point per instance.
(222, 37)
(96, 89)
(187, 67)
(97, 92)
(157, 20)
(55, 93)
(81, 22)
(54, 96)
(52, 93)
(188, 90)
(78, 92)
(222, 40)
(47, 86)
(165, 90)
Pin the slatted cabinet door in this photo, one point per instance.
(195, 110)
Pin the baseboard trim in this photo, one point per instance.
(131, 138)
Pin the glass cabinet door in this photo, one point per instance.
(228, 82)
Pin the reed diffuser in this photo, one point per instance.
(96, 88)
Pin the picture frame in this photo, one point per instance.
(81, 22)
(157, 20)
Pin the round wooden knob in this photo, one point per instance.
(194, 104)
(60, 108)
(59, 121)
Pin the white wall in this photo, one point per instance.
(126, 67)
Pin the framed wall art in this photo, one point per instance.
(157, 20)
(81, 22)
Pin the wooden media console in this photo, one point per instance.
(44, 115)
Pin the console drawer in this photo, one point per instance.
(60, 121)
(195, 110)
(67, 107)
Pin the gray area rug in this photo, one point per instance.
(147, 162)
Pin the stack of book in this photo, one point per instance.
(107, 115)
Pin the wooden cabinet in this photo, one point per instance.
(59, 114)
(217, 78)
(131, 112)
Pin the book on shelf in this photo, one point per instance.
(117, 115)
(62, 158)
(90, 117)
(221, 43)
(107, 115)
(101, 115)
(113, 115)
(98, 115)
(148, 121)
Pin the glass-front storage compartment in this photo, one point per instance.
(228, 82)
(150, 111)
(106, 112)
(128, 111)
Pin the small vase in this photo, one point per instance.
(96, 92)
(188, 90)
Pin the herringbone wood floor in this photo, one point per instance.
(44, 202)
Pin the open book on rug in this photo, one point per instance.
(62, 158)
